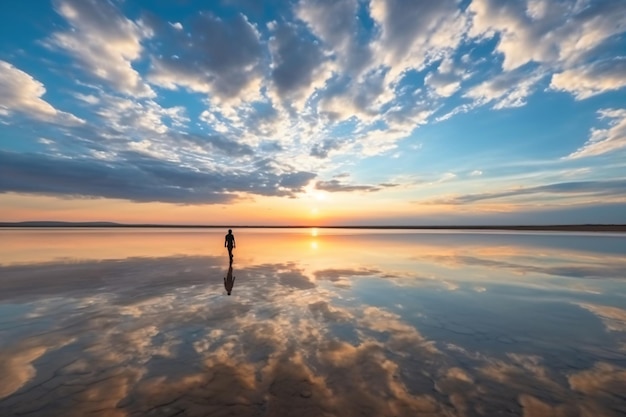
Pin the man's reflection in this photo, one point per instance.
(229, 280)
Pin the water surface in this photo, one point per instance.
(121, 322)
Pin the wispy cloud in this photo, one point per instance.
(601, 188)
(20, 92)
(104, 43)
(607, 140)
(335, 185)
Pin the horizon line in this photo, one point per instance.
(104, 224)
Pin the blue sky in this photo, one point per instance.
(332, 112)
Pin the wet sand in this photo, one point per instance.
(338, 325)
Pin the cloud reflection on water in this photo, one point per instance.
(343, 334)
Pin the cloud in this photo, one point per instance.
(216, 142)
(321, 150)
(297, 62)
(508, 89)
(591, 79)
(601, 188)
(132, 117)
(337, 24)
(444, 84)
(140, 178)
(362, 98)
(412, 33)
(446, 177)
(607, 140)
(335, 185)
(546, 32)
(446, 79)
(22, 93)
(214, 56)
(104, 42)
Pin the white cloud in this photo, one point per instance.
(448, 176)
(104, 42)
(22, 93)
(444, 84)
(45, 141)
(546, 31)
(508, 89)
(413, 33)
(591, 79)
(607, 140)
(87, 98)
(476, 173)
(126, 115)
(363, 98)
(337, 24)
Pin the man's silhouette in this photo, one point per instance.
(229, 243)
(229, 280)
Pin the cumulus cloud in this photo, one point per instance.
(540, 37)
(104, 42)
(591, 79)
(297, 67)
(412, 33)
(361, 98)
(602, 141)
(321, 150)
(337, 24)
(215, 56)
(20, 92)
(545, 31)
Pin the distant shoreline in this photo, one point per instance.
(559, 228)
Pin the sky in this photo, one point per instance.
(327, 112)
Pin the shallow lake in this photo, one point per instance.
(319, 322)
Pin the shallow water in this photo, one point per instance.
(117, 322)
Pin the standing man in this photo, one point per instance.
(229, 243)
